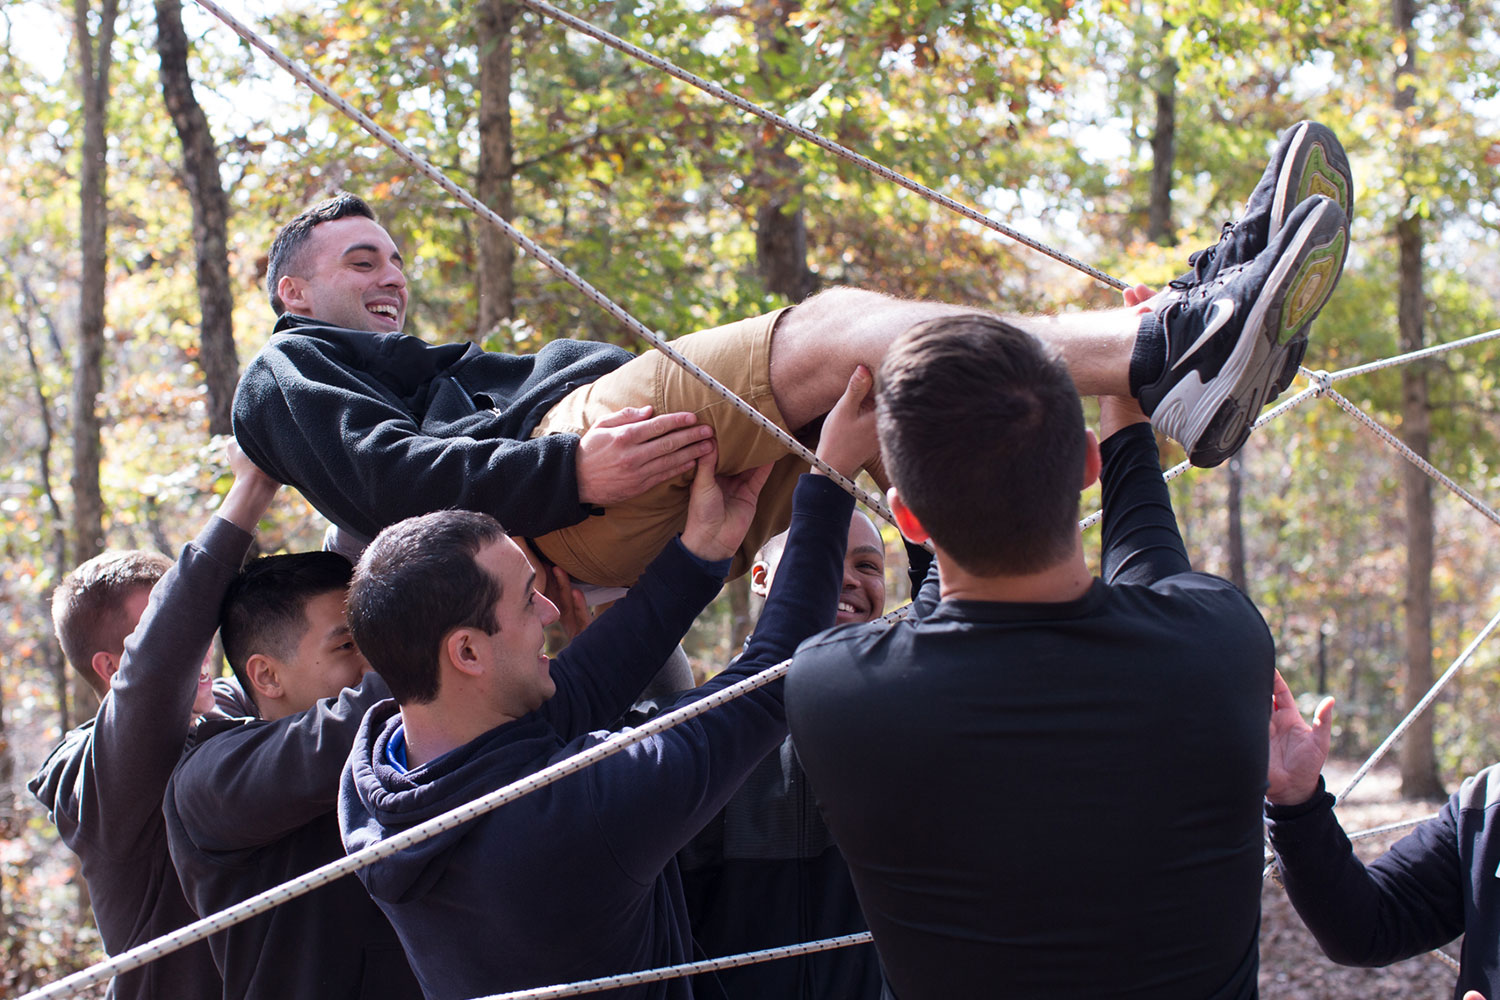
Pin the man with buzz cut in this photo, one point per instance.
(588, 453)
(578, 879)
(139, 628)
(252, 805)
(1045, 784)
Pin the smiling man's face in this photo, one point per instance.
(348, 274)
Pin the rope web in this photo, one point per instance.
(1321, 386)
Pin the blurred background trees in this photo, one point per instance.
(150, 155)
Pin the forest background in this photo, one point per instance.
(149, 155)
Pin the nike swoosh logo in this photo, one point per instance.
(1223, 312)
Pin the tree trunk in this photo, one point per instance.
(497, 254)
(1419, 777)
(1235, 544)
(94, 57)
(1163, 152)
(780, 223)
(200, 174)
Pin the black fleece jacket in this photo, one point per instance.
(376, 427)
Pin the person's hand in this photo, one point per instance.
(630, 451)
(720, 509)
(573, 612)
(251, 492)
(848, 442)
(1140, 295)
(1298, 750)
(1473, 995)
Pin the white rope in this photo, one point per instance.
(1380, 831)
(558, 267)
(273, 897)
(687, 969)
(1426, 352)
(809, 135)
(1420, 707)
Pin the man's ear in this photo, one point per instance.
(104, 664)
(760, 579)
(265, 677)
(905, 519)
(1091, 461)
(289, 291)
(460, 650)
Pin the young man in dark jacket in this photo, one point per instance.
(765, 871)
(578, 879)
(252, 804)
(1045, 784)
(373, 426)
(1436, 883)
(103, 785)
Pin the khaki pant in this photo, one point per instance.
(614, 548)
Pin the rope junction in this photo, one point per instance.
(1321, 386)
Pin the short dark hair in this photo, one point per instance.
(416, 583)
(264, 610)
(88, 606)
(293, 236)
(982, 433)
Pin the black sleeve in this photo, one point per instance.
(1408, 901)
(605, 668)
(653, 797)
(254, 783)
(1140, 538)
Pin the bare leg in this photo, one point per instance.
(817, 345)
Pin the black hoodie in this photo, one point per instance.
(579, 879)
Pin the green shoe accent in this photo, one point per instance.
(1318, 177)
(1313, 284)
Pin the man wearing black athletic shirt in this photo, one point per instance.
(1045, 784)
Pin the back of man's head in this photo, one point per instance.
(982, 433)
(264, 610)
(416, 583)
(91, 610)
(289, 242)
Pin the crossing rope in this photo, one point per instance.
(145, 953)
(656, 340)
(686, 969)
(303, 884)
(802, 132)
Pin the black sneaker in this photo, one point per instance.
(1309, 160)
(1228, 340)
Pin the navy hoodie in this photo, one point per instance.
(579, 879)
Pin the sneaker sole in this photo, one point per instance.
(1293, 295)
(1315, 164)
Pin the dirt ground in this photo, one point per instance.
(1292, 967)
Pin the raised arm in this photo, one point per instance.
(680, 778)
(142, 723)
(603, 670)
(1409, 900)
(1141, 542)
